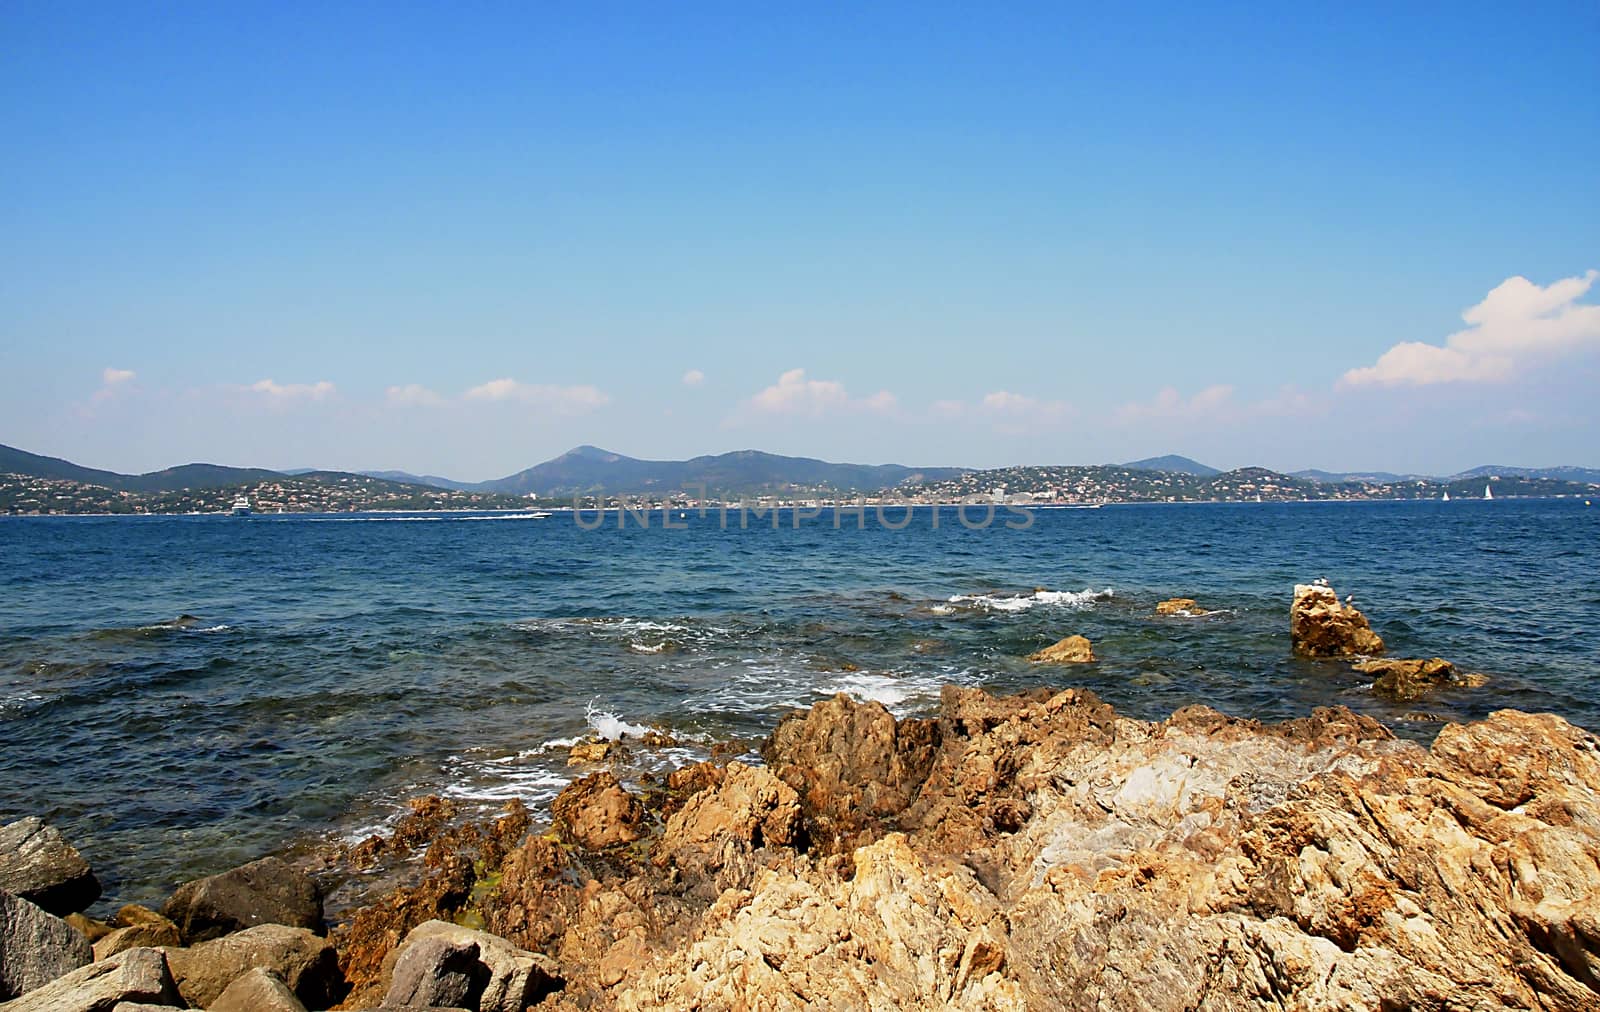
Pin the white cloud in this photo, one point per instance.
(1015, 414)
(1169, 403)
(413, 394)
(562, 400)
(1517, 325)
(693, 378)
(116, 377)
(793, 394)
(293, 391)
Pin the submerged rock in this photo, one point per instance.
(268, 891)
(595, 752)
(1320, 625)
(36, 947)
(1071, 650)
(39, 865)
(1180, 606)
(1407, 680)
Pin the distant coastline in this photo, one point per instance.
(593, 478)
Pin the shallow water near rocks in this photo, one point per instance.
(334, 669)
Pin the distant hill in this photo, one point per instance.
(589, 469)
(172, 479)
(1337, 477)
(15, 461)
(1172, 463)
(422, 479)
(1564, 472)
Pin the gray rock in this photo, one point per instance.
(516, 978)
(307, 963)
(438, 971)
(268, 891)
(131, 977)
(38, 864)
(35, 947)
(260, 990)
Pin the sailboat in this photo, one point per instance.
(1446, 495)
(1487, 492)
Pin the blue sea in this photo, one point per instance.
(333, 666)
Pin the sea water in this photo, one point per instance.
(332, 666)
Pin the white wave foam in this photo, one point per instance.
(177, 626)
(647, 648)
(903, 695)
(19, 701)
(1071, 600)
(610, 726)
(414, 519)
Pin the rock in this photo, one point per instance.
(137, 976)
(1180, 606)
(597, 813)
(437, 971)
(308, 964)
(1071, 650)
(458, 856)
(259, 990)
(88, 927)
(1407, 680)
(1200, 862)
(35, 947)
(1320, 625)
(39, 865)
(1040, 851)
(145, 934)
(751, 808)
(268, 891)
(506, 978)
(851, 764)
(132, 913)
(595, 752)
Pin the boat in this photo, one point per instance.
(241, 506)
(1447, 496)
(1487, 492)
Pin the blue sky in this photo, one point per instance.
(460, 239)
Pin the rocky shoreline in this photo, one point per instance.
(1034, 851)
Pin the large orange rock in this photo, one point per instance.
(851, 764)
(598, 812)
(1320, 625)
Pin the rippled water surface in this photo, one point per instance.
(337, 665)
